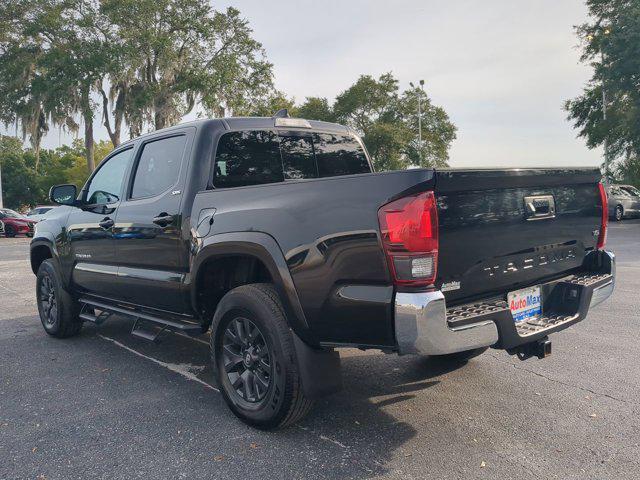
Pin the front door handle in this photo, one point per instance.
(106, 223)
(163, 219)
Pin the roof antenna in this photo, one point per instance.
(282, 113)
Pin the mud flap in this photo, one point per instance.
(320, 370)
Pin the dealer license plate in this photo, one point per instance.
(525, 304)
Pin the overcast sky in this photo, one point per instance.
(500, 68)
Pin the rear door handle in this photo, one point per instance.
(163, 219)
(106, 223)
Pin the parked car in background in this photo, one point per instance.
(15, 224)
(38, 212)
(624, 201)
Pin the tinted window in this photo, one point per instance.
(158, 167)
(631, 191)
(106, 184)
(339, 155)
(297, 156)
(247, 158)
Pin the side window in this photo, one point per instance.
(339, 155)
(297, 156)
(247, 158)
(106, 184)
(158, 167)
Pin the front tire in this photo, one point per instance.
(9, 231)
(254, 358)
(619, 213)
(59, 311)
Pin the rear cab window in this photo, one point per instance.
(256, 157)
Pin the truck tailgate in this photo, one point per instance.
(501, 230)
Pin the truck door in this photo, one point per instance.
(90, 228)
(148, 231)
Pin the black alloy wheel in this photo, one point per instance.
(254, 358)
(48, 301)
(58, 310)
(246, 359)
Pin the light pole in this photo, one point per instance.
(604, 120)
(606, 31)
(420, 92)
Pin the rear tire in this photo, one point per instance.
(9, 231)
(254, 358)
(461, 357)
(619, 213)
(59, 311)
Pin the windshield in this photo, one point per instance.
(632, 190)
(11, 213)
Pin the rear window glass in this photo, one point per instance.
(297, 156)
(339, 155)
(261, 156)
(247, 158)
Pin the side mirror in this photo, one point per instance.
(63, 194)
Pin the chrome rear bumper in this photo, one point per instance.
(422, 328)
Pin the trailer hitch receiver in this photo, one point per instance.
(540, 348)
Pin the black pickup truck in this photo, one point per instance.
(275, 235)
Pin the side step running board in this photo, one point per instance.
(140, 318)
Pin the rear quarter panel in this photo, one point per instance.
(328, 232)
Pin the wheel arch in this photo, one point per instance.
(41, 249)
(265, 250)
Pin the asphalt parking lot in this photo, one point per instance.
(108, 405)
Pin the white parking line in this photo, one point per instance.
(199, 340)
(182, 369)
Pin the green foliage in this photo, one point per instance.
(611, 44)
(160, 58)
(175, 53)
(316, 108)
(23, 187)
(388, 123)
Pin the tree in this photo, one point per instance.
(23, 187)
(316, 108)
(51, 59)
(176, 53)
(388, 123)
(148, 62)
(610, 43)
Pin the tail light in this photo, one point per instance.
(409, 228)
(602, 236)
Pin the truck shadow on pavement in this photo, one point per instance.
(106, 381)
(363, 424)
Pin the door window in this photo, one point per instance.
(247, 158)
(106, 185)
(158, 167)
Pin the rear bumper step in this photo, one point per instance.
(425, 326)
